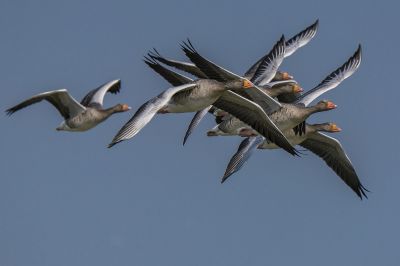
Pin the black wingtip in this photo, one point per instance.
(184, 140)
(225, 177)
(359, 50)
(111, 145)
(363, 191)
(9, 111)
(282, 39)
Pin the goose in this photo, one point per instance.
(287, 115)
(329, 83)
(273, 89)
(177, 79)
(265, 71)
(196, 95)
(78, 116)
(327, 148)
(273, 58)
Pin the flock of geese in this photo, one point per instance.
(264, 105)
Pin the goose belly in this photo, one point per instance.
(291, 137)
(190, 104)
(83, 122)
(286, 118)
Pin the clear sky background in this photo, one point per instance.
(65, 199)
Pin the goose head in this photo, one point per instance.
(282, 76)
(287, 88)
(328, 127)
(239, 84)
(325, 105)
(119, 108)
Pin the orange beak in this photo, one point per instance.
(286, 76)
(247, 84)
(335, 128)
(331, 105)
(126, 107)
(297, 88)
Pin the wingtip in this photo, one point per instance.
(9, 111)
(359, 49)
(316, 23)
(110, 145)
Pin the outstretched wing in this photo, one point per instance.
(146, 112)
(331, 151)
(172, 77)
(269, 64)
(301, 39)
(60, 99)
(334, 79)
(210, 69)
(95, 97)
(243, 153)
(184, 66)
(195, 122)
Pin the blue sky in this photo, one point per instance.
(65, 199)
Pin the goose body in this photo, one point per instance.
(287, 117)
(191, 97)
(231, 103)
(78, 116)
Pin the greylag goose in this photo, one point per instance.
(328, 148)
(272, 61)
(195, 96)
(273, 89)
(233, 100)
(330, 82)
(266, 70)
(78, 116)
(284, 115)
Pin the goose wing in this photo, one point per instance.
(184, 66)
(195, 122)
(331, 151)
(210, 69)
(213, 71)
(243, 153)
(253, 115)
(294, 43)
(146, 112)
(269, 64)
(301, 39)
(333, 79)
(95, 97)
(172, 77)
(60, 99)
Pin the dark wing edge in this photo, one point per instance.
(331, 151)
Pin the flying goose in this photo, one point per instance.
(266, 73)
(195, 96)
(299, 133)
(273, 89)
(233, 101)
(78, 116)
(328, 148)
(284, 115)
